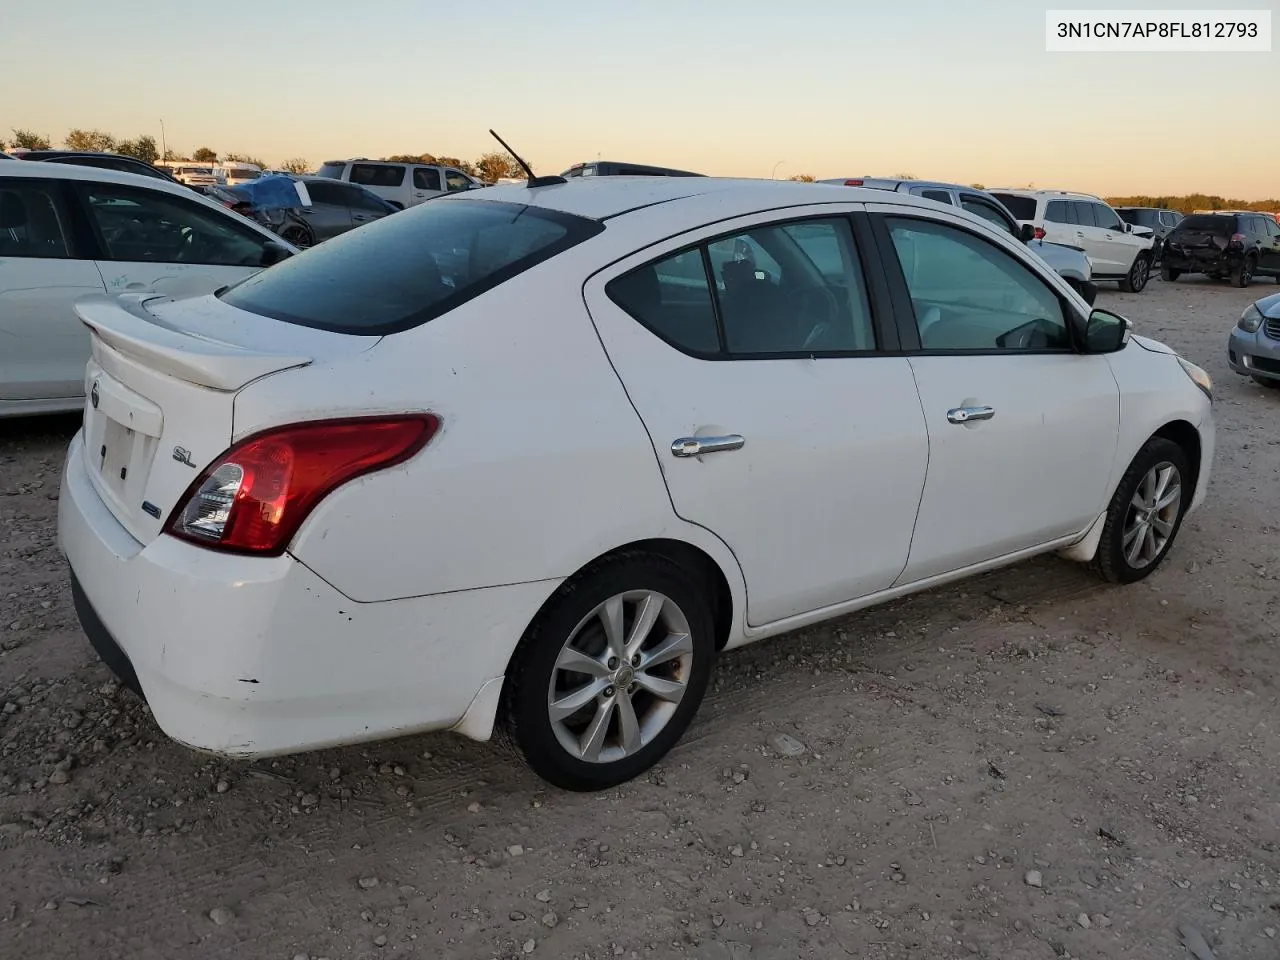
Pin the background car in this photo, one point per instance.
(1253, 348)
(761, 369)
(402, 184)
(1089, 222)
(616, 168)
(1156, 219)
(1234, 245)
(1070, 262)
(335, 208)
(67, 231)
(103, 161)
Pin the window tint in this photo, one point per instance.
(333, 169)
(402, 271)
(331, 193)
(33, 220)
(1082, 213)
(1059, 211)
(377, 174)
(360, 199)
(455, 180)
(970, 295)
(673, 299)
(1105, 217)
(153, 227)
(1273, 229)
(1022, 208)
(939, 195)
(987, 211)
(426, 178)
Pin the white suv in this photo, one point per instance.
(1085, 221)
(403, 184)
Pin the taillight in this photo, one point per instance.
(1237, 240)
(255, 496)
(1039, 233)
(853, 183)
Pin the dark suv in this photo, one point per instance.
(1160, 220)
(1235, 245)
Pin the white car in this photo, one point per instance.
(403, 184)
(70, 231)
(1119, 251)
(535, 455)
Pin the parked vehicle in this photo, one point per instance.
(1156, 219)
(615, 168)
(192, 174)
(67, 231)
(334, 208)
(1253, 348)
(334, 417)
(1234, 245)
(103, 161)
(234, 172)
(1069, 261)
(1078, 218)
(402, 184)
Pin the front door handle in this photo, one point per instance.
(967, 414)
(696, 446)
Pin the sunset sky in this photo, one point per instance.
(943, 90)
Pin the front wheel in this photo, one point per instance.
(1169, 274)
(607, 678)
(1136, 279)
(1243, 272)
(1146, 512)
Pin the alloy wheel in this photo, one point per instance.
(620, 676)
(1152, 515)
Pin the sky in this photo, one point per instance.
(951, 91)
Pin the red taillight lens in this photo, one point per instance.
(1039, 233)
(1237, 240)
(853, 183)
(255, 496)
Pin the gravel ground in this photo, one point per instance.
(1027, 765)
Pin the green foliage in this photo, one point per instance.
(296, 165)
(496, 165)
(29, 140)
(1196, 201)
(144, 148)
(205, 155)
(90, 141)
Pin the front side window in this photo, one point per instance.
(969, 295)
(33, 220)
(455, 180)
(402, 271)
(1082, 213)
(377, 174)
(792, 288)
(359, 199)
(980, 207)
(145, 226)
(1105, 217)
(426, 178)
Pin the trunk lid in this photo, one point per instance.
(1206, 234)
(160, 391)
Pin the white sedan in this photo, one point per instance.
(67, 231)
(532, 456)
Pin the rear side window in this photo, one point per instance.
(377, 174)
(33, 220)
(402, 271)
(1023, 208)
(332, 169)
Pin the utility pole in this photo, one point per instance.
(164, 151)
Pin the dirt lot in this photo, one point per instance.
(1029, 765)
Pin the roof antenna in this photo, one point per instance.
(533, 181)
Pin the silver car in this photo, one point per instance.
(1253, 349)
(1070, 262)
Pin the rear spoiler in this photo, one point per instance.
(124, 323)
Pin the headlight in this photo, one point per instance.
(1198, 377)
(1251, 319)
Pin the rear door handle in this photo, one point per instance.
(696, 446)
(966, 414)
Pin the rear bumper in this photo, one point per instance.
(247, 656)
(1200, 262)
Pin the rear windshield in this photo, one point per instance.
(1139, 217)
(1022, 208)
(333, 170)
(404, 270)
(1209, 223)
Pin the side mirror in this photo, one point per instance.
(273, 253)
(1027, 233)
(1128, 227)
(1105, 332)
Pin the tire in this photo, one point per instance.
(1243, 273)
(1169, 274)
(1123, 557)
(571, 627)
(1139, 273)
(1266, 382)
(300, 237)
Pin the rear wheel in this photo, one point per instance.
(1169, 274)
(607, 678)
(300, 237)
(1267, 382)
(1136, 279)
(1146, 512)
(1243, 272)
